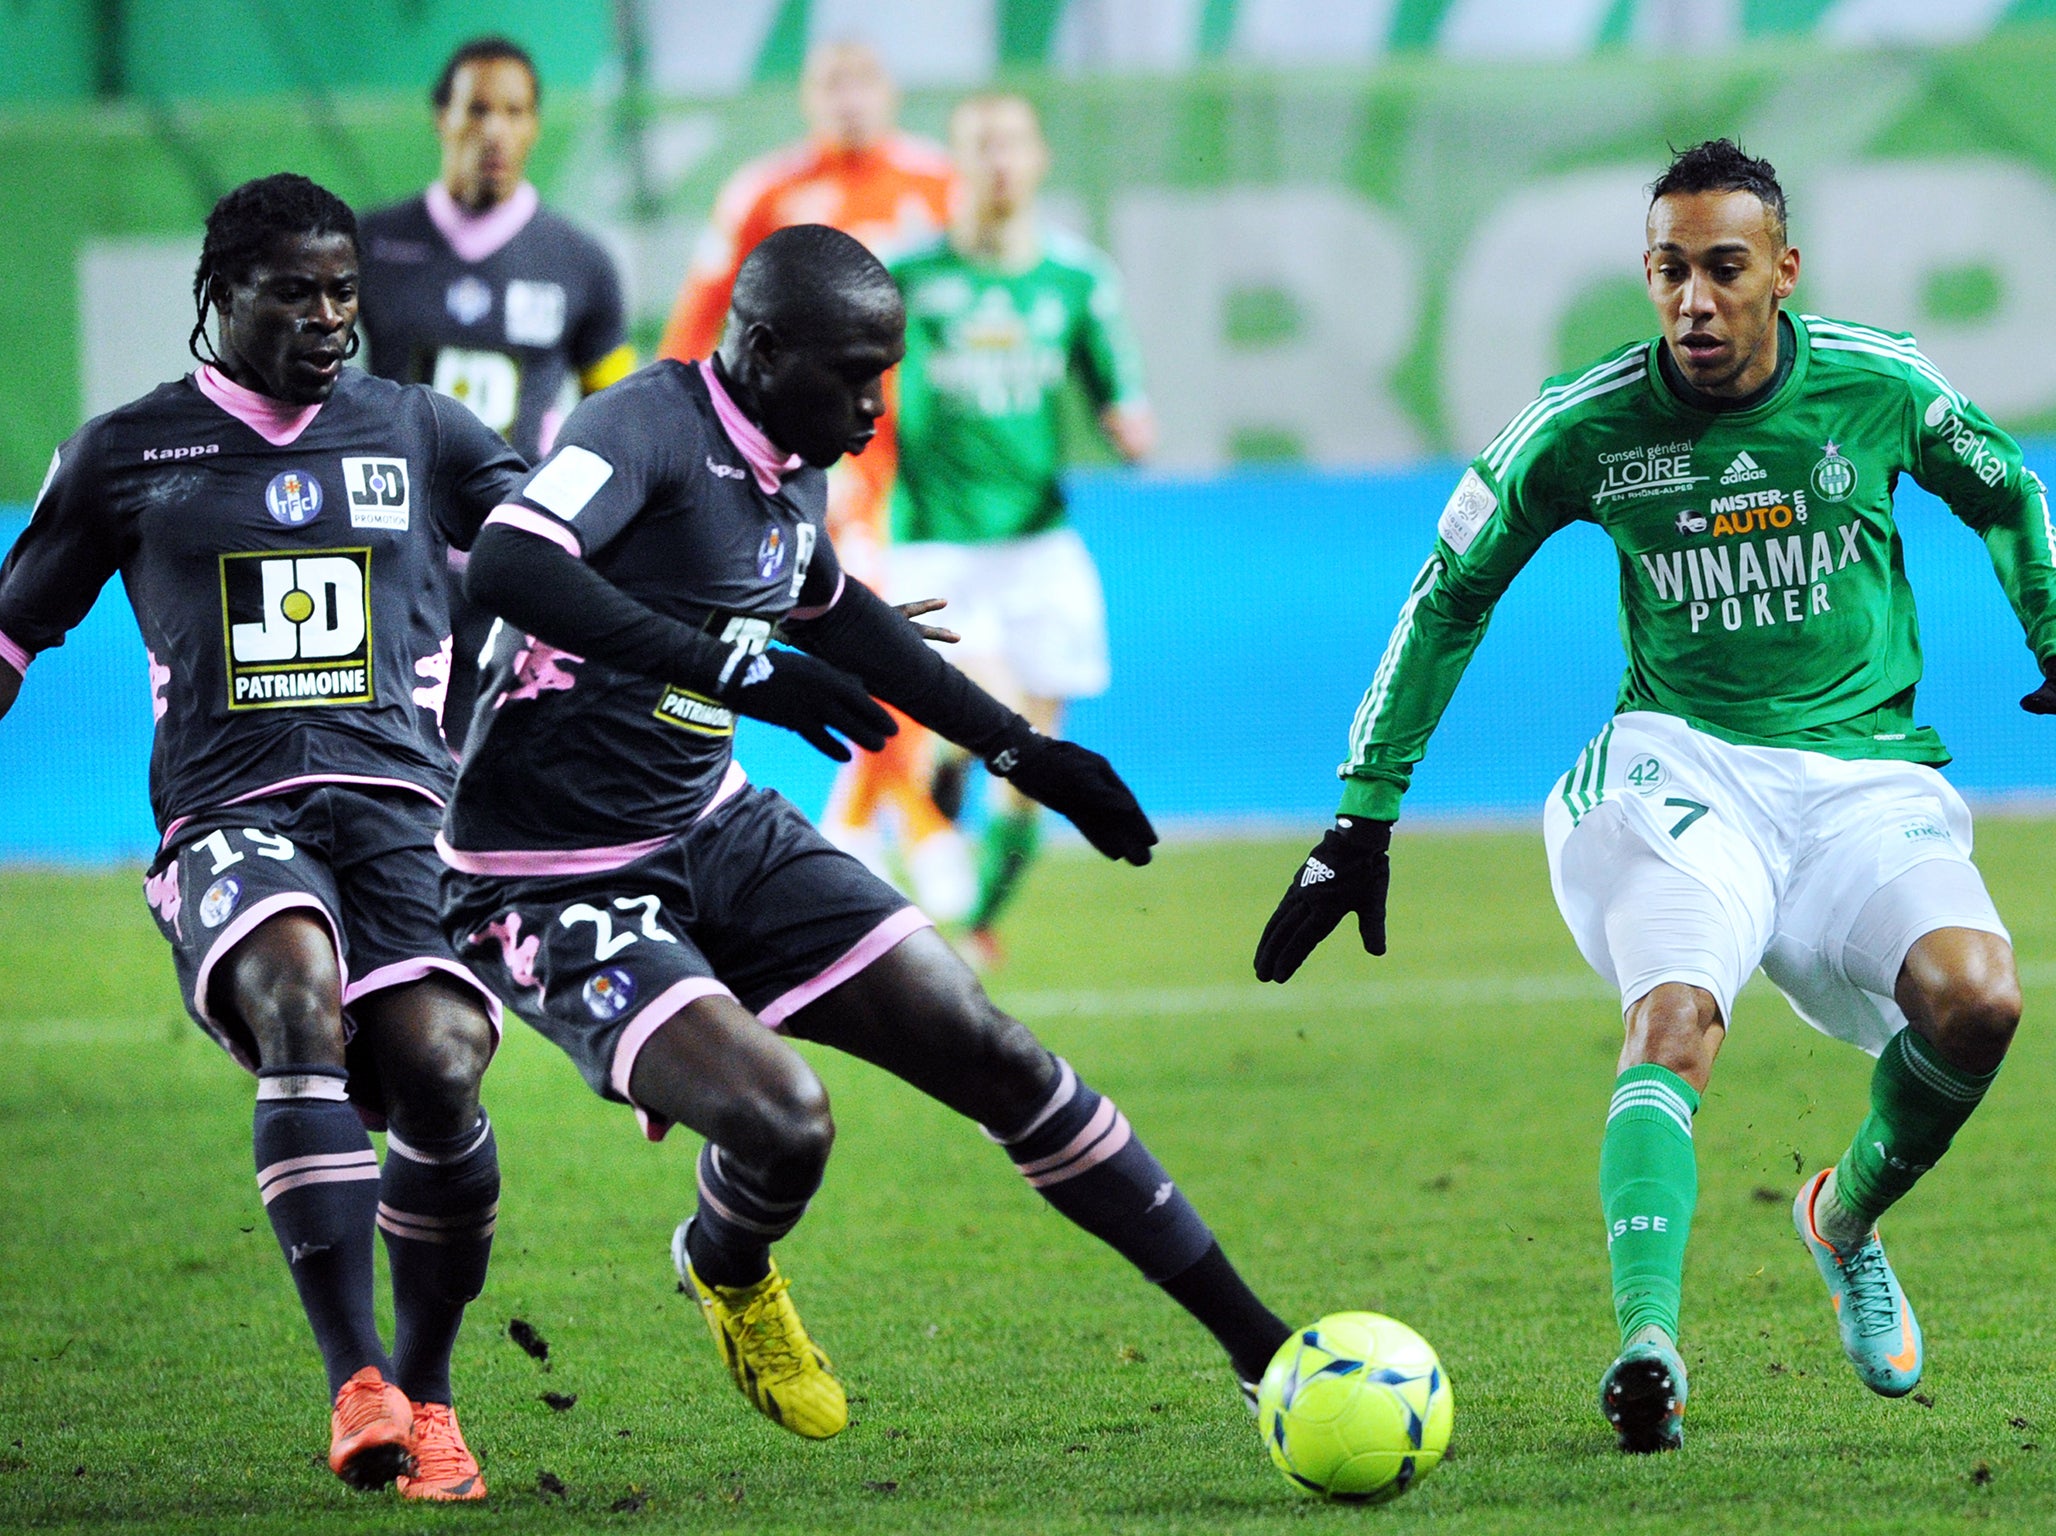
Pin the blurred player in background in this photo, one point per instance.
(279, 522)
(858, 173)
(1763, 794)
(1003, 315)
(477, 289)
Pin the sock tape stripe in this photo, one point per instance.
(1934, 1078)
(365, 1158)
(416, 1154)
(1637, 1091)
(319, 1176)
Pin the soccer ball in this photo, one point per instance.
(1355, 1407)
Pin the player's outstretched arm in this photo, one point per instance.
(551, 594)
(1348, 871)
(884, 647)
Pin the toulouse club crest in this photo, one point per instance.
(293, 497)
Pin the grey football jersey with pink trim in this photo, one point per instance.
(290, 596)
(506, 334)
(649, 489)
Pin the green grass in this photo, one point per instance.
(1417, 1135)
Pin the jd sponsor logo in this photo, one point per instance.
(535, 313)
(609, 993)
(694, 712)
(293, 497)
(298, 628)
(1742, 469)
(378, 493)
(1964, 441)
(1834, 477)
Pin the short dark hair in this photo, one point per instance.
(245, 224)
(1722, 165)
(807, 279)
(478, 51)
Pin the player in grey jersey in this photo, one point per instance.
(279, 523)
(475, 288)
(624, 889)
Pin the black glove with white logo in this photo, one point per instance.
(2043, 700)
(1349, 871)
(792, 689)
(1078, 784)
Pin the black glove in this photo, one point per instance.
(2043, 700)
(1348, 872)
(792, 689)
(1079, 784)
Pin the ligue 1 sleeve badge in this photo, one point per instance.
(293, 497)
(1834, 477)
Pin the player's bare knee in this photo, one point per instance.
(1975, 1020)
(787, 1128)
(434, 1093)
(293, 1018)
(1017, 1066)
(1674, 1026)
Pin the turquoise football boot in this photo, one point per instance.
(1880, 1334)
(1642, 1395)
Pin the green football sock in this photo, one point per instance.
(1917, 1104)
(1011, 838)
(1648, 1184)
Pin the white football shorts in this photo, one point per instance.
(1676, 856)
(1033, 605)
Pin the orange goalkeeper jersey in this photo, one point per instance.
(889, 196)
(892, 194)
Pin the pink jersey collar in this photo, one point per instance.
(277, 422)
(475, 236)
(766, 463)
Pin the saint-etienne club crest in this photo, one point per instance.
(1834, 477)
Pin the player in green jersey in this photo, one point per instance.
(1764, 794)
(1002, 313)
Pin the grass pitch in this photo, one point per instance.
(1416, 1135)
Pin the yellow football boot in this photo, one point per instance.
(776, 1366)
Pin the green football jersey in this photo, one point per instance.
(988, 355)
(1763, 592)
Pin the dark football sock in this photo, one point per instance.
(1081, 1154)
(438, 1203)
(318, 1178)
(1226, 1307)
(742, 1213)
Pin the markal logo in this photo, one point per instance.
(1691, 522)
(1744, 468)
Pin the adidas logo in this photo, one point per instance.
(1743, 468)
(1314, 873)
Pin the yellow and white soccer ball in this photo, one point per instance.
(1356, 1407)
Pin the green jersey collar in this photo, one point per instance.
(1673, 404)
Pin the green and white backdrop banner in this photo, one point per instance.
(1346, 266)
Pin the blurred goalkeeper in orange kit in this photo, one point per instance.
(857, 172)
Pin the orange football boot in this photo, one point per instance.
(444, 1468)
(371, 1432)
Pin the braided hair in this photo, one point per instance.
(244, 226)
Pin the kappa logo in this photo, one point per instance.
(726, 471)
(1743, 468)
(1314, 873)
(195, 451)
